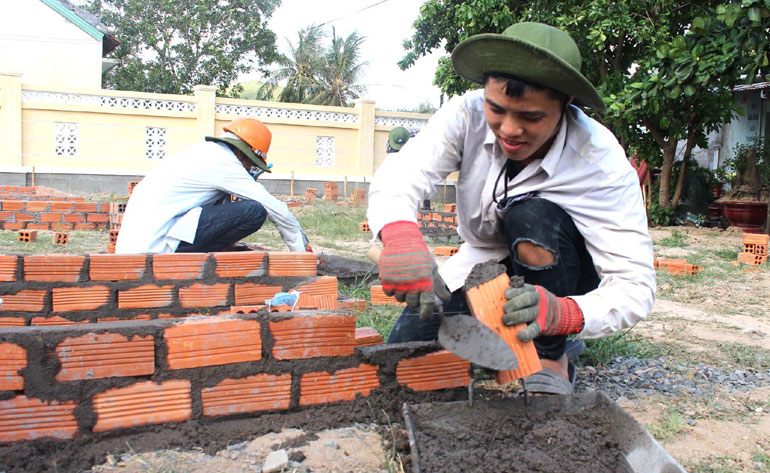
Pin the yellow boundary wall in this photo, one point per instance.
(95, 131)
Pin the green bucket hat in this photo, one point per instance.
(233, 140)
(538, 53)
(398, 137)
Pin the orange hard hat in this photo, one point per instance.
(254, 139)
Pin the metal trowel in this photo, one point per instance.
(468, 338)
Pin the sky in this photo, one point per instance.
(385, 25)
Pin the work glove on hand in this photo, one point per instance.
(407, 267)
(544, 313)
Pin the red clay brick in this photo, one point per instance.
(323, 286)
(178, 265)
(23, 418)
(53, 268)
(14, 225)
(107, 355)
(213, 341)
(254, 294)
(5, 216)
(97, 218)
(22, 217)
(61, 227)
(236, 264)
(142, 403)
(367, 336)
(60, 239)
(203, 295)
(12, 359)
(38, 226)
(13, 205)
(67, 299)
(145, 297)
(55, 320)
(262, 392)
(292, 264)
(27, 236)
(131, 318)
(117, 267)
(378, 297)
(12, 322)
(85, 207)
(8, 266)
(74, 218)
(27, 300)
(342, 385)
(439, 370)
(246, 309)
(352, 304)
(61, 206)
(325, 302)
(51, 217)
(313, 336)
(37, 205)
(85, 226)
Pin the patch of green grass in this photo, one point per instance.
(380, 317)
(745, 356)
(675, 240)
(711, 465)
(671, 425)
(78, 242)
(333, 223)
(761, 459)
(601, 351)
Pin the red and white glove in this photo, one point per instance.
(406, 266)
(544, 313)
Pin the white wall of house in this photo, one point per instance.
(47, 49)
(750, 124)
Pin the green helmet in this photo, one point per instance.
(398, 137)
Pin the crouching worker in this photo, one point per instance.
(184, 205)
(543, 188)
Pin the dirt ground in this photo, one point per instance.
(707, 318)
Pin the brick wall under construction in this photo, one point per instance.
(68, 369)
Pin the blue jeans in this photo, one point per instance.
(222, 225)
(572, 272)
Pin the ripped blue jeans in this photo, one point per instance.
(572, 272)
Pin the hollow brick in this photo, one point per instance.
(178, 265)
(8, 264)
(38, 226)
(5, 216)
(117, 267)
(12, 359)
(313, 336)
(12, 322)
(96, 218)
(213, 341)
(85, 226)
(131, 318)
(292, 264)
(36, 206)
(74, 218)
(254, 294)
(439, 370)
(67, 299)
(85, 207)
(13, 205)
(55, 320)
(352, 304)
(146, 296)
(342, 385)
(23, 418)
(142, 403)
(378, 297)
(27, 300)
(60, 206)
(235, 264)
(367, 336)
(53, 268)
(262, 392)
(322, 286)
(61, 227)
(203, 295)
(22, 217)
(107, 355)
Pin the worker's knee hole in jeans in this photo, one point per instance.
(533, 255)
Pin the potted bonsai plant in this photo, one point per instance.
(746, 204)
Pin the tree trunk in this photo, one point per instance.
(750, 176)
(679, 182)
(664, 199)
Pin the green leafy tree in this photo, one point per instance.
(297, 70)
(664, 67)
(337, 80)
(170, 47)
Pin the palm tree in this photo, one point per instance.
(337, 80)
(298, 69)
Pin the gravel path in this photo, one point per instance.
(633, 378)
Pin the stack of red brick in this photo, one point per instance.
(331, 191)
(430, 219)
(358, 197)
(754, 249)
(310, 194)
